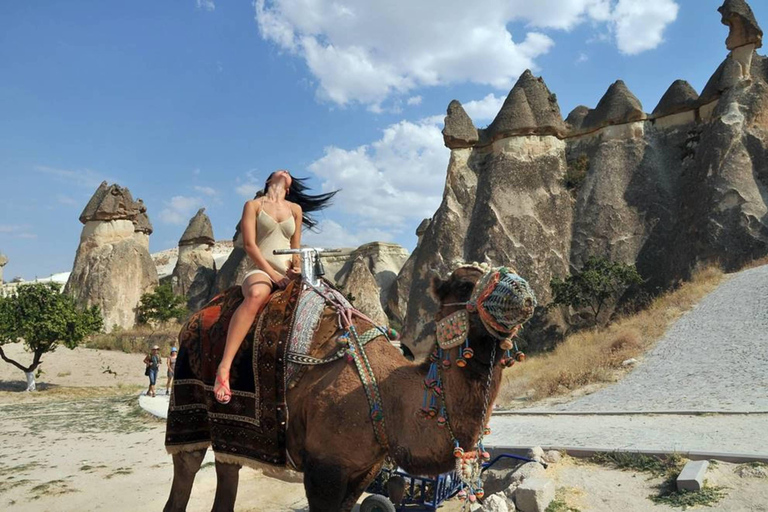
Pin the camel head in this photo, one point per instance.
(481, 307)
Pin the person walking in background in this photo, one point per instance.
(153, 362)
(171, 367)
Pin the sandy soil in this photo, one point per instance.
(82, 444)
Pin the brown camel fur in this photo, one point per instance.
(330, 433)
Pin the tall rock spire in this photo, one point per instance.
(530, 108)
(459, 131)
(617, 106)
(680, 96)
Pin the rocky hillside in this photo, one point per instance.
(685, 184)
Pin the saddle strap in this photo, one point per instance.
(304, 360)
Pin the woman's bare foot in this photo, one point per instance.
(221, 390)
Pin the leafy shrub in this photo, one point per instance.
(161, 306)
(599, 283)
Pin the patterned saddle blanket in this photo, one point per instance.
(296, 325)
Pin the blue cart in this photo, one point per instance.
(395, 490)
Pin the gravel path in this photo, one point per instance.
(742, 434)
(714, 358)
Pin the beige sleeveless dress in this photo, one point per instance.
(271, 235)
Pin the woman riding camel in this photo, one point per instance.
(271, 221)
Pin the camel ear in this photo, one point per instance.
(438, 287)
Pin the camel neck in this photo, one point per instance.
(417, 443)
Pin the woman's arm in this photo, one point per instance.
(296, 238)
(147, 360)
(248, 229)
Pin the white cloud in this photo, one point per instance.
(640, 25)
(17, 230)
(369, 52)
(248, 186)
(206, 5)
(484, 109)
(331, 234)
(391, 184)
(583, 57)
(414, 100)
(208, 191)
(180, 209)
(86, 178)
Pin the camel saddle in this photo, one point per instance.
(296, 324)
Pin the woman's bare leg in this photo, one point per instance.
(256, 290)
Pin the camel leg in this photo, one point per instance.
(358, 485)
(325, 485)
(227, 478)
(185, 467)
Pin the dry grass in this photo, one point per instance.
(596, 356)
(138, 339)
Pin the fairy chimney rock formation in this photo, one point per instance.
(141, 224)
(679, 97)
(744, 30)
(361, 286)
(459, 131)
(575, 119)
(685, 186)
(112, 266)
(195, 270)
(617, 106)
(530, 108)
(3, 262)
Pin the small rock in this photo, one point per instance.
(552, 457)
(496, 480)
(536, 453)
(535, 495)
(475, 507)
(750, 471)
(496, 503)
(629, 362)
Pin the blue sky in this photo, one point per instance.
(192, 103)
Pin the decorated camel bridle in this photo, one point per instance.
(503, 301)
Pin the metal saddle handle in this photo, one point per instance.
(311, 266)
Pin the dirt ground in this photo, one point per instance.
(81, 443)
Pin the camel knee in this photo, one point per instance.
(227, 479)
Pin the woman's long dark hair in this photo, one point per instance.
(309, 203)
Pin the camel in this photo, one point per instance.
(330, 435)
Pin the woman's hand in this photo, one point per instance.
(293, 273)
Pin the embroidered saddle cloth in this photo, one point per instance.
(252, 425)
(295, 325)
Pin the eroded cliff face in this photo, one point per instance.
(685, 185)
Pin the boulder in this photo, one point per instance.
(530, 108)
(195, 270)
(112, 267)
(459, 131)
(496, 503)
(679, 97)
(535, 495)
(740, 19)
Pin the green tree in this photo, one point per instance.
(599, 283)
(43, 318)
(160, 306)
